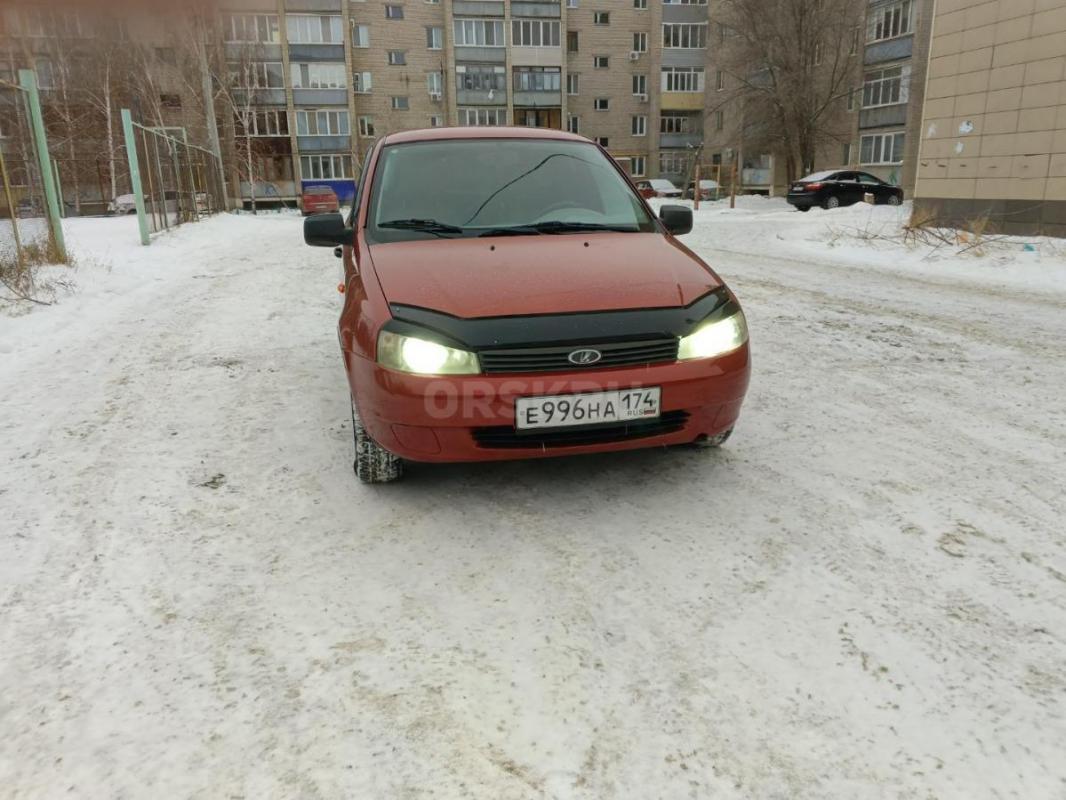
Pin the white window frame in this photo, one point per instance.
(322, 122)
(468, 30)
(534, 32)
(640, 84)
(685, 35)
(673, 162)
(638, 166)
(366, 126)
(272, 117)
(362, 82)
(434, 37)
(397, 7)
(434, 83)
(601, 104)
(675, 123)
(313, 28)
(638, 125)
(400, 102)
(435, 120)
(890, 21)
(601, 18)
(260, 73)
(396, 58)
(482, 116)
(640, 5)
(549, 80)
(339, 167)
(596, 62)
(573, 83)
(268, 24)
(897, 140)
(361, 36)
(573, 123)
(689, 79)
(327, 79)
(888, 86)
(640, 41)
(684, 2)
(490, 77)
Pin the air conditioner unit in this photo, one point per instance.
(434, 95)
(634, 55)
(642, 98)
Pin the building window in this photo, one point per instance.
(435, 38)
(673, 162)
(682, 79)
(640, 43)
(639, 125)
(572, 82)
(851, 99)
(259, 28)
(325, 75)
(888, 22)
(325, 167)
(847, 154)
(573, 124)
(571, 41)
(571, 3)
(686, 35)
(719, 80)
(537, 79)
(882, 148)
(434, 84)
(603, 141)
(479, 33)
(674, 123)
(601, 62)
(480, 77)
(684, 2)
(366, 127)
(602, 104)
(640, 5)
(483, 116)
(361, 36)
(535, 33)
(601, 18)
(640, 85)
(719, 120)
(257, 75)
(886, 87)
(400, 104)
(266, 122)
(314, 29)
(638, 166)
(397, 58)
(436, 121)
(322, 122)
(393, 12)
(361, 82)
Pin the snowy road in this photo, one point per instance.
(862, 596)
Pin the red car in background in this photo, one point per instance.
(320, 200)
(534, 306)
(657, 187)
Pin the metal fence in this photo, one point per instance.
(31, 229)
(173, 182)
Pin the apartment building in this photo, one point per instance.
(993, 138)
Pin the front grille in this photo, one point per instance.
(556, 359)
(507, 437)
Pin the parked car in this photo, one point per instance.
(319, 200)
(657, 187)
(708, 190)
(123, 204)
(534, 306)
(833, 189)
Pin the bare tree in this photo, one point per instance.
(793, 64)
(105, 86)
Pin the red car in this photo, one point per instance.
(534, 306)
(320, 200)
(657, 187)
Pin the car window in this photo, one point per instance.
(518, 182)
(846, 177)
(866, 177)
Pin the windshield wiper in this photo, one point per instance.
(423, 225)
(558, 226)
(515, 230)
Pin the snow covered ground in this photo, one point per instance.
(863, 595)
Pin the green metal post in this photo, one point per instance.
(59, 188)
(135, 174)
(28, 81)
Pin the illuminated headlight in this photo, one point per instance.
(715, 338)
(423, 357)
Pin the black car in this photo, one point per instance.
(836, 189)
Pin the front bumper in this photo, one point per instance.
(471, 418)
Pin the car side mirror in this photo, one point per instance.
(326, 230)
(677, 219)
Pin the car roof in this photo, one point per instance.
(480, 132)
(818, 176)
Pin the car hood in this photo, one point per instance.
(522, 275)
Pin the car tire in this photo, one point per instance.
(831, 203)
(894, 200)
(713, 442)
(804, 209)
(373, 463)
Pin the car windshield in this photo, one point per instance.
(479, 187)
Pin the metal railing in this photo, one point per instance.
(173, 181)
(31, 228)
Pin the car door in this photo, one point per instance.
(848, 188)
(875, 186)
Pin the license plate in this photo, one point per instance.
(565, 410)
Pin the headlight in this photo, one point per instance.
(423, 357)
(714, 338)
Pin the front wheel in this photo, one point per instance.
(832, 202)
(711, 442)
(894, 200)
(373, 463)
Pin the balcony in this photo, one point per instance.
(316, 52)
(314, 5)
(890, 50)
(236, 51)
(550, 98)
(545, 9)
(477, 8)
(481, 55)
(684, 57)
(324, 144)
(320, 97)
(481, 97)
(262, 97)
(680, 139)
(675, 12)
(883, 116)
(681, 101)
